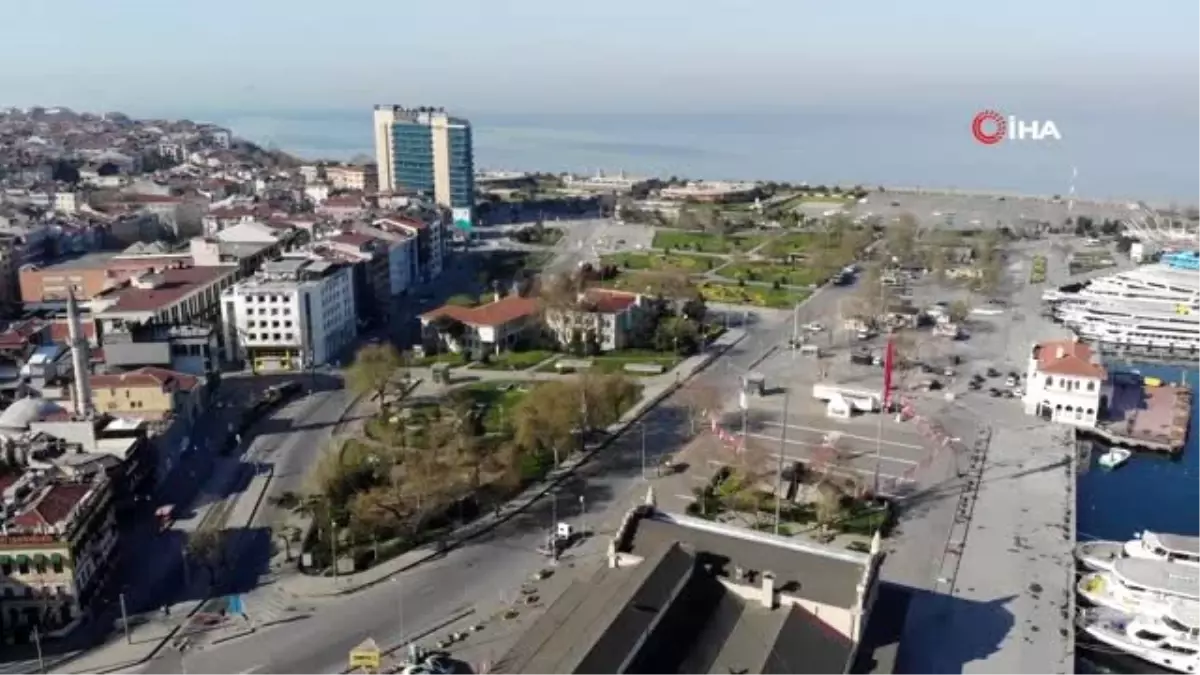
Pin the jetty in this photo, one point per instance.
(1144, 417)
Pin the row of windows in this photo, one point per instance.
(270, 337)
(31, 592)
(274, 324)
(267, 298)
(1070, 385)
(40, 567)
(274, 311)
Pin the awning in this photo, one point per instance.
(39, 559)
(57, 558)
(5, 559)
(22, 559)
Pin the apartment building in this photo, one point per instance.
(294, 313)
(429, 244)
(425, 151)
(58, 540)
(349, 177)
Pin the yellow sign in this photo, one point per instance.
(365, 657)
(1183, 310)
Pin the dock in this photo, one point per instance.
(1146, 418)
(1127, 352)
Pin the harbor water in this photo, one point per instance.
(1150, 492)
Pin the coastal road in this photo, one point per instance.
(488, 570)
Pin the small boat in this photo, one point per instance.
(1114, 458)
(1100, 555)
(1168, 639)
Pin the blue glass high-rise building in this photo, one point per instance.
(428, 152)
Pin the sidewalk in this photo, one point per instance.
(655, 390)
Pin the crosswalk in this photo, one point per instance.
(272, 603)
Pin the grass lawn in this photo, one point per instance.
(614, 362)
(792, 243)
(793, 275)
(804, 199)
(500, 398)
(515, 360)
(703, 242)
(663, 262)
(445, 357)
(1037, 274)
(758, 296)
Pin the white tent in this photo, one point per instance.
(838, 407)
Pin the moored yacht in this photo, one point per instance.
(1176, 548)
(1150, 306)
(1170, 640)
(1100, 555)
(1136, 586)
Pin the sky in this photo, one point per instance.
(668, 56)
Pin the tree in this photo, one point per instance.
(958, 311)
(373, 369)
(829, 504)
(701, 401)
(900, 239)
(206, 547)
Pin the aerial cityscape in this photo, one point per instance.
(413, 392)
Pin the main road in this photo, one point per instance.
(491, 568)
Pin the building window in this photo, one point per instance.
(1079, 413)
(1049, 381)
(1091, 386)
(57, 565)
(1091, 412)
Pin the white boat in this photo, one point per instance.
(1136, 586)
(1114, 458)
(1150, 306)
(1099, 555)
(1176, 548)
(1170, 640)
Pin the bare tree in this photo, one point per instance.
(373, 369)
(701, 401)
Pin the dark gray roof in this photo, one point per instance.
(594, 626)
(807, 571)
(805, 644)
(671, 611)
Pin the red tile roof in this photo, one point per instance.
(604, 301)
(18, 334)
(1068, 357)
(148, 376)
(152, 199)
(52, 506)
(60, 330)
(234, 212)
(355, 239)
(176, 283)
(505, 310)
(343, 202)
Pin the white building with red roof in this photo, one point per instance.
(1066, 383)
(601, 317)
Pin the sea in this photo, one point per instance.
(1100, 155)
(1150, 492)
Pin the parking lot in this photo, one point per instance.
(964, 212)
